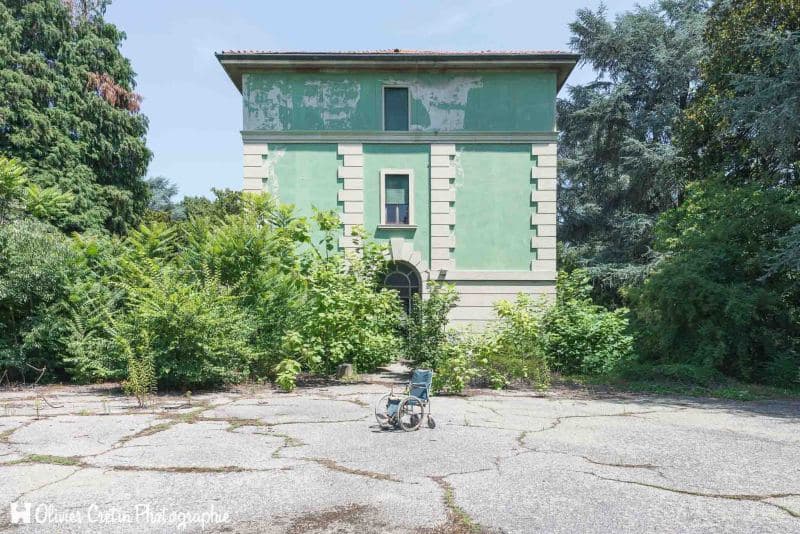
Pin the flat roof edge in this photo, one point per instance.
(237, 63)
(399, 57)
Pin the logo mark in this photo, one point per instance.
(20, 516)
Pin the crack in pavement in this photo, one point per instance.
(288, 441)
(334, 466)
(458, 520)
(728, 496)
(483, 470)
(46, 484)
(319, 422)
(558, 420)
(76, 461)
(190, 469)
(5, 435)
(291, 441)
(493, 410)
(339, 398)
(613, 464)
(656, 468)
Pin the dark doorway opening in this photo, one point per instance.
(404, 279)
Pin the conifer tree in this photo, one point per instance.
(69, 112)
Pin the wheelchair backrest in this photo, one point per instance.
(420, 385)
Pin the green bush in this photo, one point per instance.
(572, 336)
(286, 374)
(580, 336)
(508, 350)
(255, 253)
(84, 317)
(454, 367)
(344, 316)
(425, 327)
(141, 381)
(36, 265)
(511, 348)
(717, 300)
(197, 333)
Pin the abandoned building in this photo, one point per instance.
(449, 158)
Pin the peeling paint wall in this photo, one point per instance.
(443, 102)
(481, 101)
(336, 101)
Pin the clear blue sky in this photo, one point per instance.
(194, 109)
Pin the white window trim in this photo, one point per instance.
(410, 174)
(383, 106)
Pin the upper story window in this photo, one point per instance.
(395, 109)
(397, 198)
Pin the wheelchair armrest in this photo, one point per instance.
(420, 384)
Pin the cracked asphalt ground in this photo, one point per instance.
(315, 461)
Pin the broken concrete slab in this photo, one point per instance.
(77, 435)
(556, 493)
(274, 501)
(201, 445)
(291, 409)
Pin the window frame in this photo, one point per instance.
(410, 174)
(383, 105)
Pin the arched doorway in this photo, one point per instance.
(404, 279)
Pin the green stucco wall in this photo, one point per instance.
(402, 156)
(304, 175)
(493, 207)
(493, 187)
(476, 101)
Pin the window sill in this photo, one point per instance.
(397, 226)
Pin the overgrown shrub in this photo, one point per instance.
(344, 316)
(425, 327)
(36, 265)
(286, 374)
(508, 350)
(84, 317)
(717, 299)
(197, 333)
(255, 253)
(572, 335)
(141, 381)
(580, 336)
(511, 348)
(454, 366)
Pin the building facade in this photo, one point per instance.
(449, 158)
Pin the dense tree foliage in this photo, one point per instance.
(743, 126)
(679, 178)
(709, 303)
(69, 112)
(726, 296)
(618, 165)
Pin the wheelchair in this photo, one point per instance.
(407, 410)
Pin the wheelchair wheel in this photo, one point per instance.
(381, 413)
(431, 422)
(410, 413)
